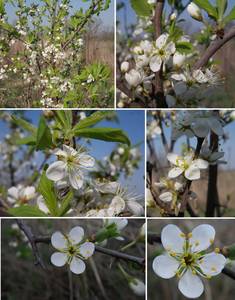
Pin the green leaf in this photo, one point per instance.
(24, 124)
(221, 7)
(184, 47)
(230, 17)
(105, 134)
(2, 7)
(64, 118)
(29, 140)
(230, 250)
(208, 7)
(44, 137)
(92, 119)
(46, 189)
(65, 205)
(142, 8)
(26, 211)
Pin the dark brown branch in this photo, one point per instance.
(230, 273)
(214, 47)
(32, 240)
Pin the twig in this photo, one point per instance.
(230, 273)
(214, 47)
(32, 240)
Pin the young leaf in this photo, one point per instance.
(65, 205)
(184, 47)
(65, 118)
(26, 211)
(24, 124)
(230, 17)
(230, 251)
(44, 137)
(28, 140)
(105, 134)
(208, 7)
(142, 8)
(92, 119)
(46, 189)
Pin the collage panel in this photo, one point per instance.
(175, 54)
(73, 259)
(190, 258)
(57, 53)
(67, 163)
(190, 163)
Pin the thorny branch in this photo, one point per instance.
(34, 240)
(156, 238)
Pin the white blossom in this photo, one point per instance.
(185, 257)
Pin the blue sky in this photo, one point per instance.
(107, 16)
(228, 147)
(193, 25)
(132, 122)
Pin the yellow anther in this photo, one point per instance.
(211, 241)
(217, 250)
(182, 235)
(190, 235)
(184, 264)
(213, 269)
(172, 253)
(197, 243)
(208, 276)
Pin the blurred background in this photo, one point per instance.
(22, 280)
(219, 287)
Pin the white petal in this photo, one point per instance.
(178, 77)
(13, 194)
(117, 205)
(161, 40)
(87, 249)
(165, 266)
(120, 223)
(202, 237)
(192, 173)
(77, 266)
(29, 192)
(69, 151)
(42, 205)
(170, 48)
(200, 163)
(172, 238)
(59, 259)
(172, 157)
(199, 76)
(212, 264)
(135, 208)
(58, 241)
(75, 178)
(86, 161)
(56, 171)
(166, 197)
(60, 152)
(216, 126)
(76, 235)
(155, 63)
(190, 285)
(175, 172)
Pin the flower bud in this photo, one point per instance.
(137, 286)
(173, 16)
(178, 59)
(194, 11)
(125, 66)
(133, 78)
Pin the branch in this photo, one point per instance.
(159, 90)
(214, 47)
(32, 240)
